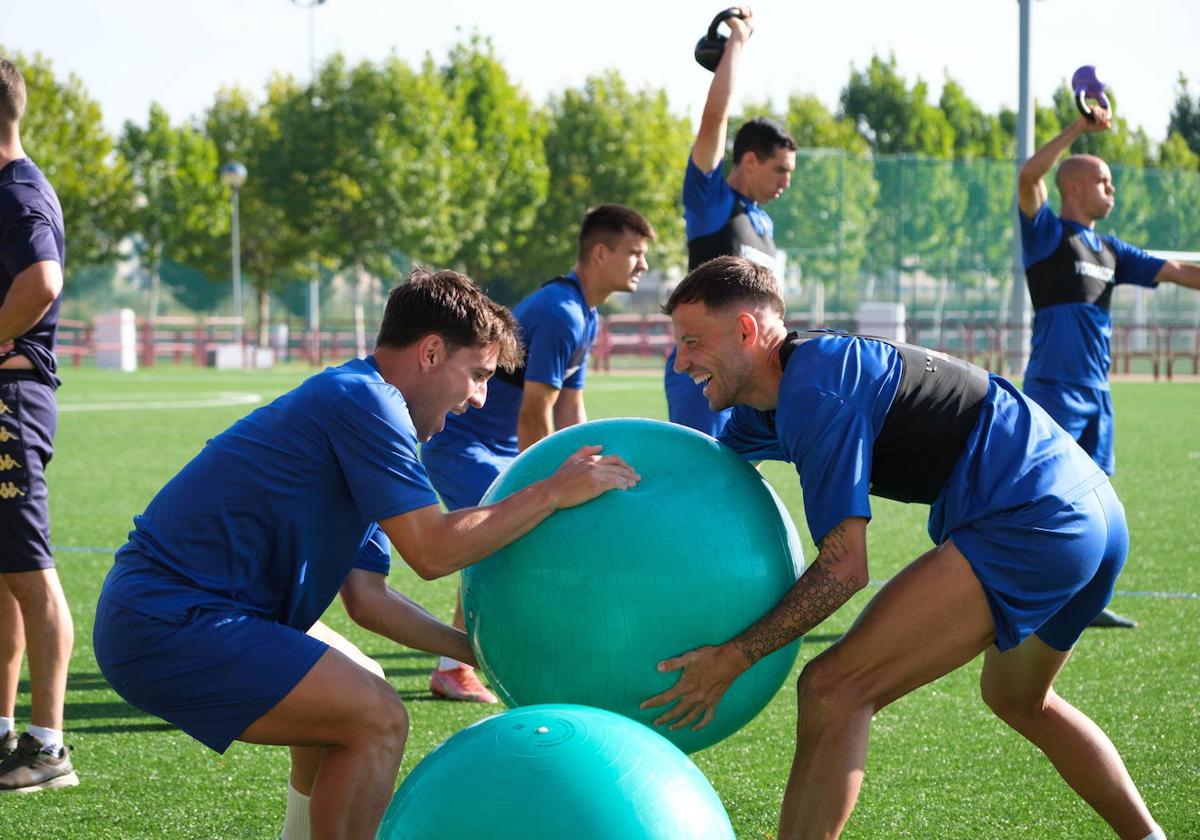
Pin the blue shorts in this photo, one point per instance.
(211, 676)
(1086, 414)
(28, 419)
(462, 473)
(1050, 576)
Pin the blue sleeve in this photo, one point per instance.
(707, 200)
(553, 347)
(1134, 265)
(374, 555)
(27, 237)
(1040, 235)
(751, 434)
(830, 443)
(375, 443)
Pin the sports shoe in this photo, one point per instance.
(461, 683)
(31, 768)
(8, 745)
(1108, 618)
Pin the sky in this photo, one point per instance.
(130, 53)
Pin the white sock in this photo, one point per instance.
(295, 820)
(7, 725)
(445, 663)
(52, 739)
(1156, 834)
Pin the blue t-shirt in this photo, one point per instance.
(834, 397)
(272, 514)
(558, 329)
(31, 231)
(708, 202)
(686, 403)
(1070, 341)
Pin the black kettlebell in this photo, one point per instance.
(711, 47)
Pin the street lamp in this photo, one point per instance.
(233, 175)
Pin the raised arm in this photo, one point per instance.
(839, 571)
(434, 543)
(372, 604)
(1031, 183)
(709, 148)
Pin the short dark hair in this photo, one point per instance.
(727, 280)
(12, 92)
(606, 222)
(762, 136)
(449, 304)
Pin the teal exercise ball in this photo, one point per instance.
(556, 771)
(583, 607)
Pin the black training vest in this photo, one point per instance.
(738, 237)
(516, 377)
(1074, 273)
(926, 428)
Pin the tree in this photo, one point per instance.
(181, 210)
(274, 250)
(1185, 116)
(606, 143)
(892, 117)
(63, 132)
(976, 134)
(506, 173)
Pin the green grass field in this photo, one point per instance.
(940, 765)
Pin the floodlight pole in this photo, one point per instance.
(1018, 309)
(314, 285)
(233, 175)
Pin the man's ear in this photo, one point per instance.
(431, 351)
(748, 328)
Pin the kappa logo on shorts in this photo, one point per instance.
(4, 409)
(6, 435)
(8, 462)
(8, 490)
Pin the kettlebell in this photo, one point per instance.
(1087, 85)
(711, 47)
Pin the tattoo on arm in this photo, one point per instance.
(814, 597)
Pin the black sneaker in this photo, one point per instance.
(31, 768)
(8, 745)
(1108, 618)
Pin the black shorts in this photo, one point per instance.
(28, 419)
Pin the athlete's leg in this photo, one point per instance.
(361, 724)
(928, 620)
(12, 649)
(1018, 685)
(49, 638)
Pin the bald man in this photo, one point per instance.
(1071, 271)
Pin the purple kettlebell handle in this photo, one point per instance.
(1087, 85)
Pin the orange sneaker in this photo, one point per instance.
(461, 683)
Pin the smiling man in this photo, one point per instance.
(545, 390)
(1028, 538)
(202, 620)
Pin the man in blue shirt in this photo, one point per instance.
(34, 616)
(1071, 271)
(723, 214)
(1029, 538)
(202, 619)
(544, 393)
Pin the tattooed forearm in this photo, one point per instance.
(825, 585)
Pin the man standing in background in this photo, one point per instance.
(34, 618)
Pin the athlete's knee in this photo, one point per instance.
(828, 688)
(382, 718)
(1011, 703)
